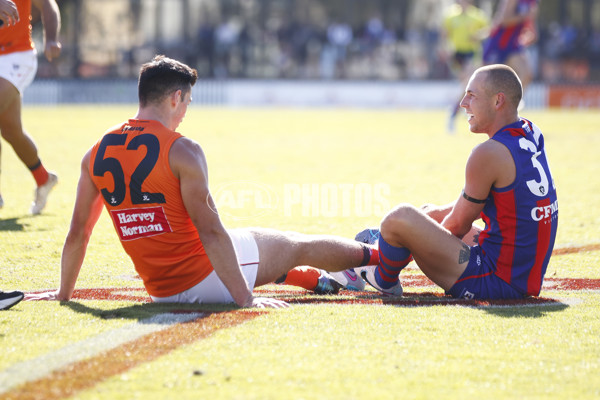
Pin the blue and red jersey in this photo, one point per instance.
(521, 219)
(505, 40)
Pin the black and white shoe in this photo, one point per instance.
(368, 274)
(349, 279)
(9, 299)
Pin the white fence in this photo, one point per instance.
(245, 93)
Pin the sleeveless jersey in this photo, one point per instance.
(17, 37)
(130, 167)
(504, 40)
(521, 219)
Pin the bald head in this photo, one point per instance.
(502, 78)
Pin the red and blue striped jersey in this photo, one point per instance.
(521, 219)
(505, 40)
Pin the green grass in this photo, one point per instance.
(316, 351)
(389, 352)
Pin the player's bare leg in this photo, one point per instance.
(12, 131)
(440, 255)
(7, 95)
(281, 251)
(12, 128)
(1, 198)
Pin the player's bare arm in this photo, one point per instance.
(482, 172)
(437, 212)
(188, 163)
(507, 13)
(87, 210)
(51, 21)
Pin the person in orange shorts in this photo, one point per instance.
(154, 184)
(18, 65)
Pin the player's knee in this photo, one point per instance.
(11, 133)
(397, 221)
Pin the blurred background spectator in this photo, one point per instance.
(302, 39)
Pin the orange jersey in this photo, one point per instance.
(17, 37)
(130, 167)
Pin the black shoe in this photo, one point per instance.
(9, 299)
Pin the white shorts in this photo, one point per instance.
(19, 68)
(211, 289)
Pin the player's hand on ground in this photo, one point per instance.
(41, 296)
(266, 302)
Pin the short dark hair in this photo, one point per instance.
(161, 77)
(502, 78)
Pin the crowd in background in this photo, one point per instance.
(374, 45)
(370, 51)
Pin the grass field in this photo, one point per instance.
(314, 171)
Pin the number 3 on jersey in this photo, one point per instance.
(102, 165)
(538, 188)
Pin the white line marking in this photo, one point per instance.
(39, 367)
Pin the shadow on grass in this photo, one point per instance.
(140, 312)
(21, 223)
(533, 307)
(526, 311)
(143, 308)
(11, 225)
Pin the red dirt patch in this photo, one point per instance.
(128, 294)
(571, 284)
(579, 249)
(411, 298)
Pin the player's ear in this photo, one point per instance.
(500, 100)
(175, 97)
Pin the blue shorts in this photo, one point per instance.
(480, 282)
(493, 53)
